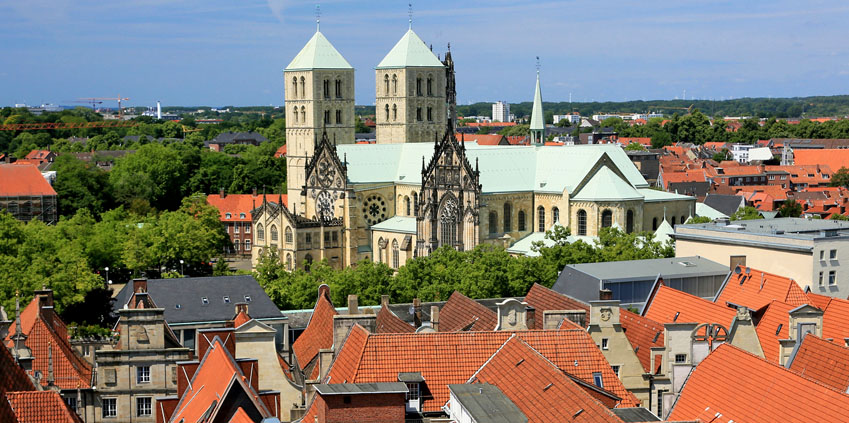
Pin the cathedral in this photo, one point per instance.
(419, 187)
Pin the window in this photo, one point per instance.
(326, 88)
(228, 216)
(247, 245)
(386, 84)
(680, 358)
(308, 239)
(683, 220)
(72, 403)
(247, 228)
(820, 279)
(541, 219)
(226, 299)
(521, 218)
(236, 245)
(394, 112)
(508, 217)
(604, 343)
(430, 114)
(555, 215)
(629, 221)
(493, 222)
(415, 202)
(143, 372)
(607, 219)
(260, 232)
(295, 114)
(110, 407)
(387, 113)
(419, 114)
(338, 88)
(236, 228)
(597, 380)
(289, 236)
(615, 370)
(822, 255)
(204, 300)
(143, 406)
(582, 222)
(407, 205)
(327, 117)
(660, 393)
(346, 399)
(303, 114)
(273, 232)
(396, 255)
(294, 87)
(654, 224)
(412, 392)
(303, 93)
(832, 277)
(394, 84)
(418, 86)
(247, 298)
(338, 117)
(429, 85)
(832, 255)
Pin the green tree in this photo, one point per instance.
(790, 208)
(840, 178)
(635, 146)
(836, 216)
(154, 173)
(80, 185)
(699, 219)
(747, 213)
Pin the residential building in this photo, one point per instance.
(807, 250)
(740, 152)
(231, 138)
(235, 215)
(501, 111)
(39, 407)
(26, 195)
(631, 282)
(572, 118)
(725, 204)
(191, 304)
(361, 402)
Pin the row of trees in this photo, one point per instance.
(487, 271)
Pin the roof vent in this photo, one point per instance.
(687, 263)
(674, 319)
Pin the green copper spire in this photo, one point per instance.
(537, 118)
(410, 51)
(318, 53)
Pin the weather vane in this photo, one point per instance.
(317, 16)
(410, 12)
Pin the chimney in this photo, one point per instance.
(325, 358)
(605, 295)
(45, 297)
(158, 110)
(353, 306)
(417, 313)
(241, 308)
(384, 300)
(221, 193)
(254, 192)
(140, 285)
(434, 318)
(735, 261)
(531, 317)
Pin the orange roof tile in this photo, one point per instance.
(644, 141)
(453, 357)
(319, 331)
(236, 205)
(12, 378)
(669, 305)
(755, 289)
(23, 180)
(643, 334)
(241, 319)
(281, 152)
(834, 158)
(822, 361)
(482, 139)
(241, 417)
(835, 320)
(388, 322)
(542, 299)
(542, 384)
(463, 313)
(772, 327)
(745, 388)
(40, 407)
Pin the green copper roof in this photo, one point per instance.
(657, 195)
(402, 224)
(410, 51)
(606, 185)
(537, 118)
(523, 246)
(663, 232)
(318, 53)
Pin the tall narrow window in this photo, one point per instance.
(429, 85)
(394, 84)
(541, 219)
(396, 255)
(288, 261)
(493, 222)
(260, 232)
(521, 218)
(294, 87)
(303, 87)
(380, 246)
(303, 114)
(419, 114)
(430, 114)
(418, 87)
(407, 205)
(448, 223)
(394, 112)
(327, 117)
(338, 88)
(555, 215)
(606, 219)
(387, 113)
(629, 221)
(273, 233)
(654, 224)
(582, 222)
(386, 83)
(508, 217)
(289, 237)
(415, 202)
(295, 114)
(326, 89)
(338, 117)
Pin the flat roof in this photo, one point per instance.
(362, 388)
(644, 269)
(781, 227)
(486, 403)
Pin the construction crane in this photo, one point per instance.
(187, 130)
(119, 99)
(66, 125)
(93, 103)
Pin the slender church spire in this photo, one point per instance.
(537, 117)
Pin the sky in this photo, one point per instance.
(232, 52)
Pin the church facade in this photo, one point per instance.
(418, 187)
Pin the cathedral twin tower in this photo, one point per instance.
(412, 100)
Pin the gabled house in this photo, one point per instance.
(821, 361)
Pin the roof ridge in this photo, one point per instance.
(472, 377)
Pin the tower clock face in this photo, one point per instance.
(324, 205)
(374, 209)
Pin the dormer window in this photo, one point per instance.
(676, 316)
(241, 215)
(597, 380)
(178, 306)
(680, 358)
(413, 380)
(204, 300)
(247, 298)
(226, 299)
(228, 215)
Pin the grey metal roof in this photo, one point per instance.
(362, 388)
(231, 137)
(189, 294)
(410, 377)
(636, 414)
(726, 204)
(643, 269)
(486, 403)
(782, 227)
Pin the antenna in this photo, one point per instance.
(317, 17)
(410, 12)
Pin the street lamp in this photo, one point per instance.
(181, 268)
(107, 274)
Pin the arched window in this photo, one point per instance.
(288, 261)
(338, 117)
(541, 219)
(387, 113)
(555, 215)
(386, 83)
(582, 222)
(394, 112)
(493, 222)
(407, 204)
(654, 224)
(419, 86)
(326, 88)
(303, 114)
(338, 88)
(629, 221)
(294, 87)
(303, 87)
(288, 235)
(380, 244)
(521, 218)
(429, 85)
(606, 219)
(508, 217)
(260, 232)
(295, 114)
(394, 84)
(683, 220)
(273, 233)
(396, 255)
(419, 114)
(448, 222)
(415, 202)
(430, 114)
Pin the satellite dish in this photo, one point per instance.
(737, 270)
(748, 270)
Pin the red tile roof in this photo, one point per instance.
(12, 378)
(481, 139)
(23, 180)
(453, 357)
(281, 152)
(241, 417)
(822, 361)
(669, 305)
(746, 388)
(236, 204)
(40, 407)
(319, 331)
(835, 320)
(542, 299)
(643, 334)
(542, 385)
(463, 313)
(241, 319)
(755, 289)
(644, 141)
(490, 124)
(388, 322)
(772, 327)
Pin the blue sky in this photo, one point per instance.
(217, 52)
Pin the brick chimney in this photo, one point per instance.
(434, 318)
(221, 193)
(45, 297)
(531, 317)
(417, 310)
(140, 285)
(605, 295)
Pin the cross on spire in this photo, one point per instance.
(317, 17)
(410, 12)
